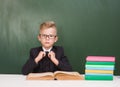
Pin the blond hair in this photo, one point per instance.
(48, 24)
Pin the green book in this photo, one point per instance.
(98, 77)
(99, 63)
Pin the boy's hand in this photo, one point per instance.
(40, 56)
(51, 55)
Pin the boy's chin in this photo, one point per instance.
(47, 46)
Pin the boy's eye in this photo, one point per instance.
(49, 36)
(44, 35)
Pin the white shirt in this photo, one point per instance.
(46, 50)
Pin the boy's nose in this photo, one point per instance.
(47, 37)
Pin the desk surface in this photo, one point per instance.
(14, 80)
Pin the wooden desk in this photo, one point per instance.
(15, 80)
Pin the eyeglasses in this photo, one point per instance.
(49, 36)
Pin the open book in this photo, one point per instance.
(58, 75)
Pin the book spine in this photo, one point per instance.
(99, 63)
(100, 58)
(107, 66)
(99, 74)
(98, 77)
(99, 71)
(99, 68)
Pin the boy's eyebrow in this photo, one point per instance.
(48, 34)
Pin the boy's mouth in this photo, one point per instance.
(46, 42)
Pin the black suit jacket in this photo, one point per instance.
(46, 65)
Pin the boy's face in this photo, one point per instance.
(48, 37)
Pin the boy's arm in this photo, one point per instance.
(64, 64)
(29, 65)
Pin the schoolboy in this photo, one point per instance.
(47, 58)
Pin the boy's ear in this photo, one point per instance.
(38, 38)
(56, 39)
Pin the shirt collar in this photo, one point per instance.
(46, 50)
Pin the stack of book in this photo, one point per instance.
(99, 68)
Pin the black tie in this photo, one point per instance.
(46, 54)
(47, 62)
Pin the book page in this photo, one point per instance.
(40, 76)
(65, 72)
(63, 75)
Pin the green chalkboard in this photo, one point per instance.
(85, 27)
